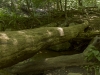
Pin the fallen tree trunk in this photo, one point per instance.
(36, 67)
(16, 46)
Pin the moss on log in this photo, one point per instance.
(16, 46)
(36, 67)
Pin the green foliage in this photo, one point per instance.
(13, 12)
(92, 54)
(3, 18)
(38, 3)
(92, 68)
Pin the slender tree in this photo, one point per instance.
(61, 8)
(80, 2)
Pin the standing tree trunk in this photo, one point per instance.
(13, 6)
(80, 2)
(61, 6)
(58, 8)
(95, 3)
(66, 17)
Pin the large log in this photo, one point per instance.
(16, 46)
(36, 67)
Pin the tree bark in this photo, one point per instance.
(16, 46)
(36, 67)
